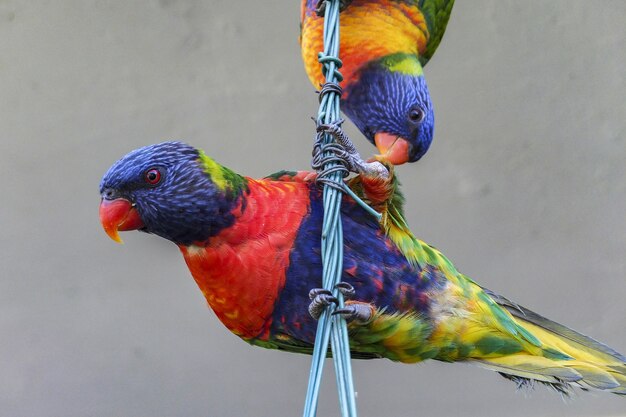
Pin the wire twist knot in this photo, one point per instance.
(329, 88)
(329, 158)
(326, 61)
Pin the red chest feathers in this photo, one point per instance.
(242, 270)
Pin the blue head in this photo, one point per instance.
(170, 189)
(391, 106)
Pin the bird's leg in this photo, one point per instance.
(320, 7)
(322, 298)
(353, 160)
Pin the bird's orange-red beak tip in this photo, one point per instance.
(392, 148)
(118, 215)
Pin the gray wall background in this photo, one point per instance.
(524, 189)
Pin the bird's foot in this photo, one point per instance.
(322, 298)
(355, 311)
(347, 290)
(320, 7)
(349, 154)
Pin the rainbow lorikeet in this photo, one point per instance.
(253, 247)
(383, 45)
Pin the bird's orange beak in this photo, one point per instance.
(119, 215)
(392, 148)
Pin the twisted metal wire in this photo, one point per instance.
(327, 158)
(330, 87)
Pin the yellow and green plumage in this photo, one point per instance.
(253, 247)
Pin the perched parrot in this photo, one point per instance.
(383, 45)
(253, 247)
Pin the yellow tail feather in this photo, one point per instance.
(568, 358)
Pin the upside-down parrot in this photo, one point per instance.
(383, 46)
(253, 248)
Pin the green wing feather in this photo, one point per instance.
(437, 14)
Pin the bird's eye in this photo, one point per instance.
(152, 176)
(416, 115)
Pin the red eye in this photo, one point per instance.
(152, 176)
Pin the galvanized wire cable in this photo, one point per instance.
(331, 173)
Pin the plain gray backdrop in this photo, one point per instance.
(524, 189)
